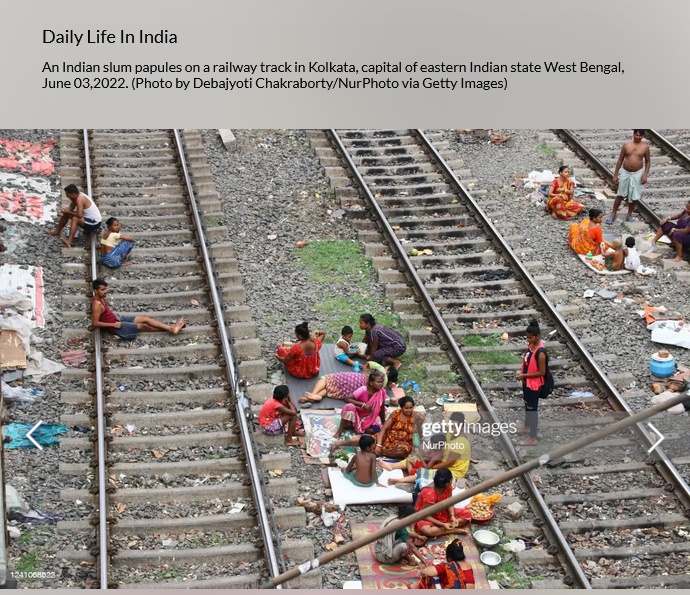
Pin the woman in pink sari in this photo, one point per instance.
(365, 411)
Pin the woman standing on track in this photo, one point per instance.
(383, 343)
(560, 203)
(533, 376)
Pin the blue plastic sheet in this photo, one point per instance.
(45, 434)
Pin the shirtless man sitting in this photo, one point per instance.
(631, 178)
(125, 327)
(82, 211)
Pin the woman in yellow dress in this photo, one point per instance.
(561, 204)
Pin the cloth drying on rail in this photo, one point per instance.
(395, 576)
(345, 493)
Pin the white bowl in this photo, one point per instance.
(486, 538)
(490, 558)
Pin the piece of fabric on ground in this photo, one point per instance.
(27, 157)
(319, 427)
(605, 271)
(29, 208)
(45, 434)
(345, 493)
(329, 365)
(394, 576)
(28, 281)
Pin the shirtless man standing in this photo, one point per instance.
(82, 211)
(631, 178)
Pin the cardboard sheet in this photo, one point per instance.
(345, 493)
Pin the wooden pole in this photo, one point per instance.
(484, 486)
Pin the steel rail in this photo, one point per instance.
(550, 527)
(662, 462)
(103, 530)
(266, 519)
(570, 138)
(669, 147)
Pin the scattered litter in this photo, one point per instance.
(143, 347)
(329, 518)
(514, 510)
(331, 546)
(412, 383)
(301, 244)
(73, 358)
(168, 544)
(14, 500)
(82, 429)
(606, 294)
(158, 454)
(671, 332)
(505, 336)
(589, 293)
(580, 394)
(45, 434)
(515, 546)
(33, 517)
(275, 473)
(273, 236)
(21, 396)
(238, 507)
(16, 533)
(130, 428)
(21, 287)
(338, 213)
(194, 302)
(122, 388)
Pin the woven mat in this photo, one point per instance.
(385, 576)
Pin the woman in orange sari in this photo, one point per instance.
(587, 237)
(560, 203)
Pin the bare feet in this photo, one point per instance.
(179, 326)
(293, 443)
(65, 242)
(303, 400)
(393, 480)
(677, 259)
(523, 430)
(53, 233)
(529, 442)
(554, 215)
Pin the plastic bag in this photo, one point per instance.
(515, 546)
(20, 395)
(490, 500)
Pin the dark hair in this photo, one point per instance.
(455, 551)
(374, 374)
(458, 417)
(443, 478)
(281, 392)
(404, 401)
(405, 510)
(594, 213)
(302, 331)
(436, 439)
(347, 330)
(367, 319)
(71, 189)
(533, 328)
(560, 169)
(641, 131)
(393, 375)
(366, 441)
(110, 221)
(96, 283)
(630, 242)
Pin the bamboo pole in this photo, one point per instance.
(484, 486)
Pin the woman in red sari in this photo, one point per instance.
(302, 360)
(446, 522)
(560, 203)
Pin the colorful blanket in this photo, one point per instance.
(383, 576)
(320, 427)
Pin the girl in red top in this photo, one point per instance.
(454, 573)
(302, 360)
(278, 412)
(532, 375)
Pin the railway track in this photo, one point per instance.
(606, 508)
(161, 447)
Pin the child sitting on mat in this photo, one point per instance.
(395, 548)
(419, 465)
(361, 470)
(344, 348)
